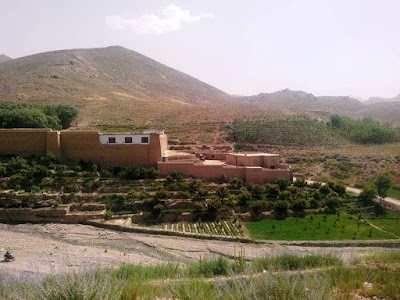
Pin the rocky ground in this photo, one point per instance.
(42, 249)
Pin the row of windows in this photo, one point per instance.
(128, 140)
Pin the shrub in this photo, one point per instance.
(281, 207)
(257, 191)
(367, 196)
(300, 182)
(337, 187)
(383, 184)
(244, 196)
(258, 206)
(324, 189)
(214, 204)
(236, 183)
(271, 190)
(135, 173)
(299, 205)
(283, 183)
(108, 215)
(209, 268)
(222, 192)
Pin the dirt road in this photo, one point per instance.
(54, 248)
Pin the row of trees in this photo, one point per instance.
(20, 115)
(365, 131)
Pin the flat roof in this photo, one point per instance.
(253, 154)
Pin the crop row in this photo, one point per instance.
(222, 228)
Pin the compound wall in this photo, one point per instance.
(81, 145)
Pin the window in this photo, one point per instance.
(145, 139)
(112, 140)
(128, 140)
(255, 160)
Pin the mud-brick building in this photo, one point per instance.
(89, 145)
(251, 167)
(147, 149)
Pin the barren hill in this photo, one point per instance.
(4, 58)
(108, 84)
(375, 100)
(118, 86)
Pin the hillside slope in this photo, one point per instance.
(108, 84)
(117, 86)
(375, 100)
(4, 58)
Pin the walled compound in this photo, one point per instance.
(147, 149)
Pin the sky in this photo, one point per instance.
(324, 47)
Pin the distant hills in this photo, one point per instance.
(115, 85)
(374, 100)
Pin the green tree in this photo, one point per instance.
(383, 184)
(258, 206)
(367, 195)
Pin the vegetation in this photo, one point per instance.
(383, 184)
(17, 115)
(365, 131)
(302, 131)
(316, 227)
(266, 278)
(290, 131)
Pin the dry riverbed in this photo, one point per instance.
(42, 249)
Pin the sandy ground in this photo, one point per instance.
(42, 249)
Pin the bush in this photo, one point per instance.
(258, 206)
(271, 190)
(300, 182)
(236, 183)
(324, 189)
(365, 131)
(244, 196)
(340, 189)
(214, 204)
(222, 192)
(108, 215)
(209, 268)
(281, 207)
(14, 115)
(283, 183)
(368, 194)
(135, 173)
(299, 205)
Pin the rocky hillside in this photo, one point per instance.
(110, 84)
(115, 85)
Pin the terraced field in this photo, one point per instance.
(222, 228)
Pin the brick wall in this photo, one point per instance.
(80, 145)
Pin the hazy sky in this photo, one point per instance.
(326, 47)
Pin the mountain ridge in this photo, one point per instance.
(115, 85)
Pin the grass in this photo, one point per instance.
(317, 227)
(264, 278)
(389, 222)
(394, 193)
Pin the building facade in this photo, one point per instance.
(147, 149)
(89, 145)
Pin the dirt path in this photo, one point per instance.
(54, 248)
(390, 203)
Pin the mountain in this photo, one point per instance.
(374, 100)
(115, 86)
(110, 84)
(299, 102)
(4, 58)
